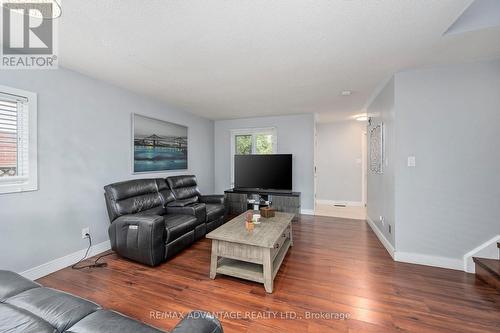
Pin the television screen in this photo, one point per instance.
(267, 172)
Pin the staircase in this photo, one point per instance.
(488, 270)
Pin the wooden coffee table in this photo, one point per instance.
(255, 255)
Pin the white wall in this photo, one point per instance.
(84, 142)
(449, 119)
(295, 136)
(339, 161)
(381, 187)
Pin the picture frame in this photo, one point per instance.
(158, 145)
(376, 162)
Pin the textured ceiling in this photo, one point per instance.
(241, 58)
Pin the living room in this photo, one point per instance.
(244, 166)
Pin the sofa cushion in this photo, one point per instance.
(13, 284)
(138, 204)
(59, 309)
(183, 202)
(110, 322)
(183, 187)
(178, 225)
(131, 197)
(131, 188)
(214, 211)
(13, 319)
(152, 211)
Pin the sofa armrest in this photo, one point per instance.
(199, 210)
(139, 237)
(200, 322)
(212, 199)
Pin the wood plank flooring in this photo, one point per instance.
(336, 268)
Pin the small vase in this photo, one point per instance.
(249, 216)
(249, 226)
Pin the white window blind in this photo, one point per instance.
(17, 148)
(8, 138)
(14, 137)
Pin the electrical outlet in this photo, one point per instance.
(411, 161)
(382, 220)
(85, 231)
(390, 229)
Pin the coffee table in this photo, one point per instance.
(256, 255)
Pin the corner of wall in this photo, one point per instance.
(488, 249)
(388, 246)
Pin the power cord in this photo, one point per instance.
(95, 264)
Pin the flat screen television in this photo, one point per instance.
(264, 172)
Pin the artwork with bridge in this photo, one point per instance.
(159, 145)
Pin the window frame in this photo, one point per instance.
(253, 132)
(23, 183)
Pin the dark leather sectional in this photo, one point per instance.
(154, 219)
(27, 307)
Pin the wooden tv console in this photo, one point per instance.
(281, 201)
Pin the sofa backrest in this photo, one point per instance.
(165, 191)
(137, 196)
(184, 187)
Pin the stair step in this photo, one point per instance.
(488, 270)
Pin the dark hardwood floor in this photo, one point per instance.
(335, 266)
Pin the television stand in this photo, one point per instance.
(237, 200)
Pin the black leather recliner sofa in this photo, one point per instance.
(154, 219)
(27, 307)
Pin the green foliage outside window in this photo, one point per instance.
(264, 144)
(243, 144)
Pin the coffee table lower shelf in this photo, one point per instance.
(253, 271)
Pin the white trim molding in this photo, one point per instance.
(388, 246)
(488, 249)
(307, 211)
(428, 260)
(339, 202)
(60, 263)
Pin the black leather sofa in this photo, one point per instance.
(27, 307)
(154, 219)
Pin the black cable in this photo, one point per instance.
(74, 266)
(99, 258)
(95, 264)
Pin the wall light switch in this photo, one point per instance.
(411, 161)
(382, 220)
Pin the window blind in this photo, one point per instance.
(14, 137)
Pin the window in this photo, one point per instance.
(252, 141)
(18, 148)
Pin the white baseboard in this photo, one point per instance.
(339, 202)
(487, 250)
(428, 260)
(307, 211)
(60, 263)
(388, 246)
(415, 258)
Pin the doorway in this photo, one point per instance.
(341, 169)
